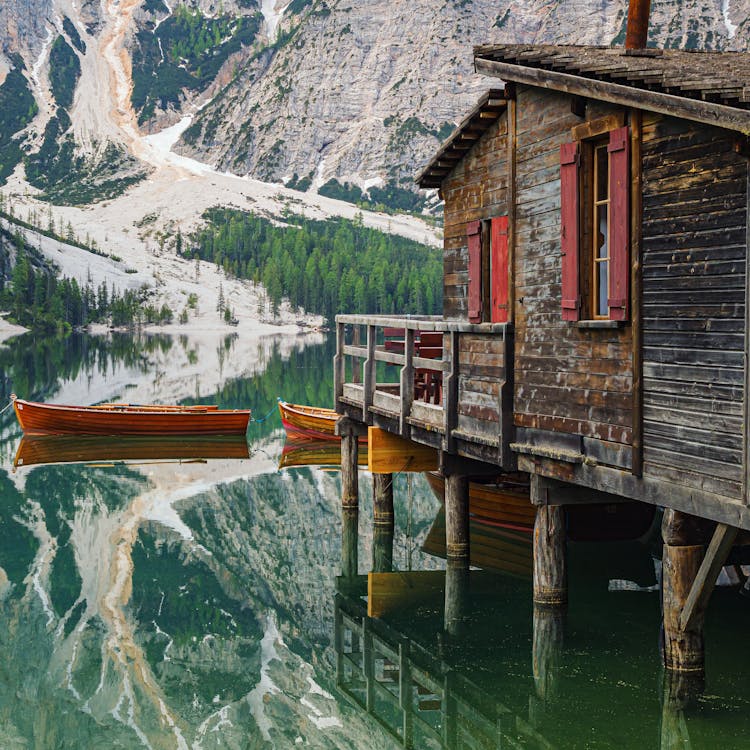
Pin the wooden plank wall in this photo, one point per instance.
(476, 189)
(481, 369)
(694, 246)
(567, 379)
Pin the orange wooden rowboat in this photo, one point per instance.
(127, 419)
(310, 421)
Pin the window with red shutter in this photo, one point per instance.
(499, 269)
(570, 233)
(474, 240)
(619, 229)
(595, 226)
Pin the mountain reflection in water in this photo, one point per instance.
(173, 594)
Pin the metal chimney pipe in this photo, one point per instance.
(636, 35)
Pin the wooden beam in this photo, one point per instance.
(388, 453)
(719, 115)
(705, 580)
(645, 489)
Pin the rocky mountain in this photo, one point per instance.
(327, 95)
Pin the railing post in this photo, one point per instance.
(450, 395)
(356, 364)
(339, 363)
(407, 382)
(369, 394)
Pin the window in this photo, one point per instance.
(487, 242)
(595, 224)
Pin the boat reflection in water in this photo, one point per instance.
(35, 450)
(300, 451)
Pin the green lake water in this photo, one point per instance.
(182, 603)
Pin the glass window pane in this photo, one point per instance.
(602, 177)
(603, 278)
(602, 248)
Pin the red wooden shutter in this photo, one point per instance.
(569, 233)
(499, 266)
(474, 238)
(619, 226)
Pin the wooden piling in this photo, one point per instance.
(382, 499)
(457, 518)
(349, 542)
(684, 649)
(349, 471)
(550, 564)
(383, 525)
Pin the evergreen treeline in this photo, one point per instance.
(325, 267)
(37, 298)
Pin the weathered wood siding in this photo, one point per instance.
(481, 370)
(694, 246)
(476, 189)
(567, 379)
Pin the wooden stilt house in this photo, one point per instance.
(595, 290)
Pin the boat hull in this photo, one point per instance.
(58, 419)
(309, 421)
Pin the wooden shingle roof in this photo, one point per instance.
(470, 130)
(708, 87)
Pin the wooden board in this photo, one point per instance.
(388, 454)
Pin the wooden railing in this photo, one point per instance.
(398, 400)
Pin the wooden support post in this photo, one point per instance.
(689, 574)
(705, 580)
(382, 541)
(456, 596)
(681, 560)
(349, 543)
(349, 431)
(550, 564)
(382, 499)
(457, 518)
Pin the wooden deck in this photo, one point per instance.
(472, 416)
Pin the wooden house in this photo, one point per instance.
(595, 316)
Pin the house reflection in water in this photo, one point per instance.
(461, 658)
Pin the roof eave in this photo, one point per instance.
(709, 113)
(432, 175)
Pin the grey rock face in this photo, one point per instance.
(365, 91)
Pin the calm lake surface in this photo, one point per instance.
(149, 601)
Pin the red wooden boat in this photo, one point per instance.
(129, 419)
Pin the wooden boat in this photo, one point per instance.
(34, 450)
(311, 421)
(504, 503)
(129, 419)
